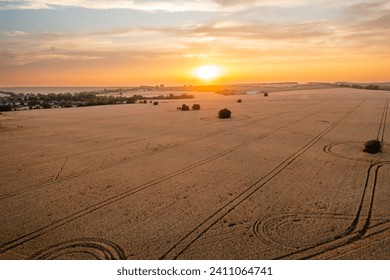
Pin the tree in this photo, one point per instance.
(224, 113)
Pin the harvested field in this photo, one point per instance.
(284, 178)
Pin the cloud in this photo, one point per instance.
(157, 5)
(236, 3)
(230, 37)
(364, 9)
(16, 33)
(18, 58)
(149, 6)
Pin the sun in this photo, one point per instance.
(208, 72)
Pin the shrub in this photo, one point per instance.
(152, 101)
(155, 103)
(265, 94)
(239, 101)
(178, 108)
(224, 114)
(196, 107)
(184, 107)
(373, 146)
(145, 101)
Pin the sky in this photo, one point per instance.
(132, 43)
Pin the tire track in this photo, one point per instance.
(185, 242)
(85, 172)
(36, 233)
(266, 229)
(376, 234)
(358, 227)
(126, 160)
(97, 248)
(380, 137)
(62, 167)
(382, 125)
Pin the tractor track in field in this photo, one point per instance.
(382, 125)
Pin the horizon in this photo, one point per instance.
(82, 43)
(157, 85)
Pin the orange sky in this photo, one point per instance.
(124, 43)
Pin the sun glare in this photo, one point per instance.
(208, 72)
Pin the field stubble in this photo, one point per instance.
(283, 178)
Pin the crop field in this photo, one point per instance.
(284, 178)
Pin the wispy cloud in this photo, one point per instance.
(16, 33)
(170, 6)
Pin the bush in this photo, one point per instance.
(184, 107)
(265, 94)
(373, 146)
(196, 107)
(224, 114)
(239, 101)
(145, 101)
(178, 108)
(155, 103)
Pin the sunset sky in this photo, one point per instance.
(126, 43)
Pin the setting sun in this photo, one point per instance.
(208, 72)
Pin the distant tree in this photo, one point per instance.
(184, 107)
(224, 113)
(155, 103)
(46, 105)
(239, 101)
(196, 107)
(32, 103)
(372, 87)
(5, 108)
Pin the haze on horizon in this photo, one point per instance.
(120, 43)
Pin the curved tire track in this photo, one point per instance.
(358, 227)
(95, 248)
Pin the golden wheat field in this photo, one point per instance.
(284, 178)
